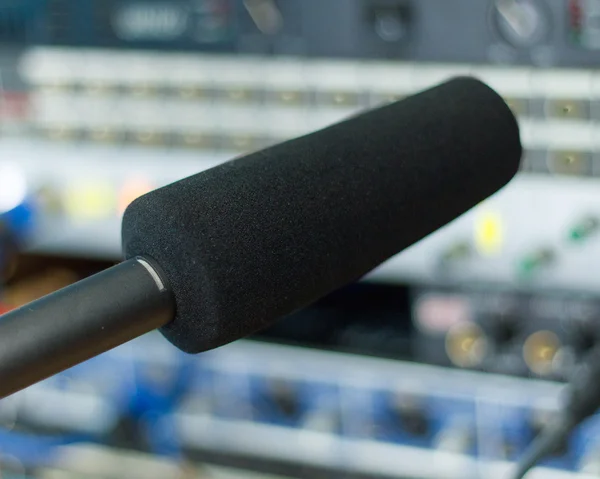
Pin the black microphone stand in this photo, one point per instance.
(81, 321)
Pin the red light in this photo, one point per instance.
(131, 191)
(14, 105)
(575, 10)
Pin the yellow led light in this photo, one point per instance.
(90, 200)
(489, 233)
(540, 351)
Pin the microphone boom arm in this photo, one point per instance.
(81, 321)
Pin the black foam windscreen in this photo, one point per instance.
(251, 240)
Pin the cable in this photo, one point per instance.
(582, 399)
(545, 443)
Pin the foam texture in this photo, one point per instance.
(251, 240)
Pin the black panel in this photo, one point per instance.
(14, 22)
(546, 33)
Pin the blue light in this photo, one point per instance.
(19, 220)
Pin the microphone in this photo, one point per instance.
(222, 254)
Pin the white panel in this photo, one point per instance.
(333, 75)
(562, 84)
(385, 77)
(507, 81)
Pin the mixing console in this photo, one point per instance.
(335, 414)
(508, 332)
(164, 117)
(102, 101)
(156, 91)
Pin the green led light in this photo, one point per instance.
(584, 229)
(577, 234)
(528, 265)
(535, 261)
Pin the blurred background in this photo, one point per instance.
(443, 363)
